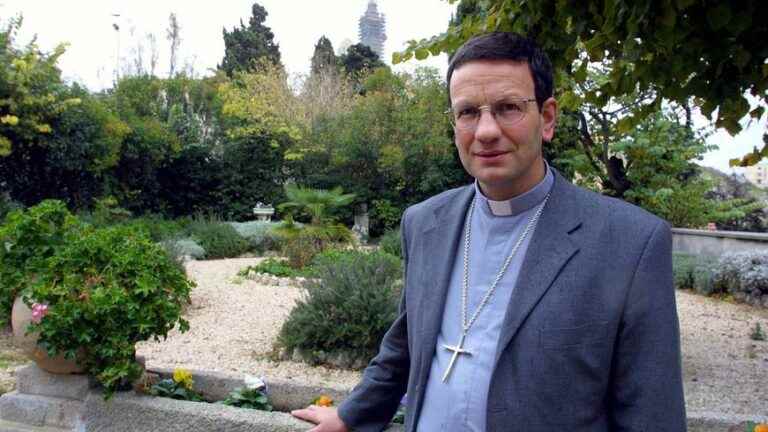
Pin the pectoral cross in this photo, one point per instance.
(457, 349)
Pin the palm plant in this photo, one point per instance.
(316, 203)
(303, 242)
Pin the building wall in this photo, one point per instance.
(757, 175)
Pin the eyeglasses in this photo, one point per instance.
(507, 112)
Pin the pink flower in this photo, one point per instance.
(38, 312)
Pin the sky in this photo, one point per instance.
(87, 26)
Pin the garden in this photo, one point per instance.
(296, 302)
(129, 252)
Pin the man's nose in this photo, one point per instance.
(488, 128)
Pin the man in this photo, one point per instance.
(529, 304)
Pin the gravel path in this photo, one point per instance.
(234, 323)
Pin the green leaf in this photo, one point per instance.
(741, 57)
(421, 53)
(594, 48)
(397, 57)
(581, 73)
(626, 125)
(719, 16)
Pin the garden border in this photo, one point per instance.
(45, 402)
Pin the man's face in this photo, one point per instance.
(506, 159)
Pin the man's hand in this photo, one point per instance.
(326, 419)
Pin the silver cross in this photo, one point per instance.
(457, 349)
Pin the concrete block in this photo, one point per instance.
(32, 380)
(36, 410)
(6, 426)
(128, 412)
(287, 395)
(710, 422)
(284, 395)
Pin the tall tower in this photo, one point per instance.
(372, 29)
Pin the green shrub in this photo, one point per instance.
(272, 266)
(703, 275)
(347, 310)
(259, 234)
(218, 239)
(683, 265)
(8, 205)
(184, 247)
(329, 258)
(158, 228)
(694, 272)
(390, 243)
(743, 274)
(301, 248)
(107, 289)
(27, 239)
(107, 212)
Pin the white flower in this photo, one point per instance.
(253, 382)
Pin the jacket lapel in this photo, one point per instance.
(439, 247)
(549, 250)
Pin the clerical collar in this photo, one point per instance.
(516, 205)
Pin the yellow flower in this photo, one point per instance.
(44, 128)
(183, 377)
(9, 119)
(323, 401)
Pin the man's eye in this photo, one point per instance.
(468, 112)
(508, 107)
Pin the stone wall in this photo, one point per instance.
(716, 243)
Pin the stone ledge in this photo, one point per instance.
(283, 395)
(742, 235)
(128, 412)
(710, 421)
(32, 380)
(7, 426)
(36, 410)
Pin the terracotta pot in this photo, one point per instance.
(21, 317)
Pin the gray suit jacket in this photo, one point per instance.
(590, 340)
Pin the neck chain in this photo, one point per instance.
(466, 325)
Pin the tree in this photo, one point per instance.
(173, 35)
(260, 117)
(32, 93)
(55, 141)
(753, 216)
(244, 47)
(390, 146)
(712, 53)
(359, 59)
(323, 57)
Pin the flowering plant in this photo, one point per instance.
(323, 401)
(38, 312)
(179, 387)
(94, 292)
(253, 395)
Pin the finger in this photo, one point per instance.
(305, 414)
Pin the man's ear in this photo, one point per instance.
(549, 119)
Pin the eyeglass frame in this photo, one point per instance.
(452, 117)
